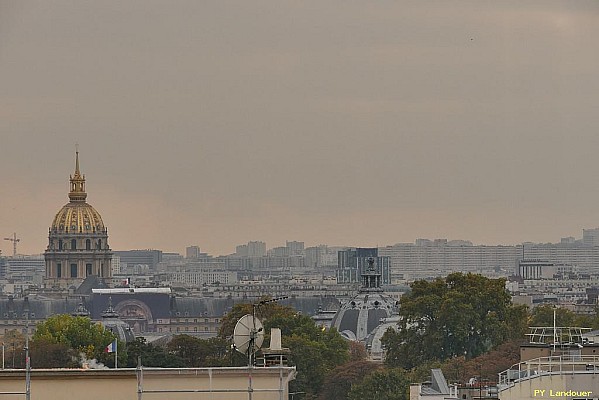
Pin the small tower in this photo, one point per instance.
(371, 278)
(112, 322)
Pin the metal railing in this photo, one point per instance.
(554, 365)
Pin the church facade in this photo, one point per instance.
(77, 240)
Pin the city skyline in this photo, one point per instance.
(343, 124)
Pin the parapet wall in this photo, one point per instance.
(151, 383)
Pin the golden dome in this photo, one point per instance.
(78, 216)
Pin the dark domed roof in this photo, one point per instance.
(357, 318)
(362, 314)
(111, 322)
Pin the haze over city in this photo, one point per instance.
(345, 123)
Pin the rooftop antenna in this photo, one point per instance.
(554, 331)
(248, 334)
(14, 241)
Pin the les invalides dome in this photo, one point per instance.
(77, 240)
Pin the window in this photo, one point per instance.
(73, 270)
(88, 269)
(59, 244)
(59, 269)
(88, 244)
(74, 244)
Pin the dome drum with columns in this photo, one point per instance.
(77, 240)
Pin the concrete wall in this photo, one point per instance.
(548, 387)
(122, 384)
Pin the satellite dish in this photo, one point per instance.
(248, 335)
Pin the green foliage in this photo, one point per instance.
(264, 312)
(461, 315)
(314, 351)
(77, 334)
(357, 351)
(14, 342)
(339, 381)
(543, 316)
(45, 354)
(487, 365)
(151, 356)
(387, 384)
(196, 352)
(314, 356)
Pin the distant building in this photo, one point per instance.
(77, 240)
(590, 237)
(131, 258)
(192, 252)
(354, 261)
(256, 249)
(315, 256)
(426, 258)
(199, 277)
(295, 248)
(279, 252)
(536, 269)
(24, 268)
(252, 249)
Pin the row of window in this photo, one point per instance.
(88, 244)
(74, 272)
(185, 329)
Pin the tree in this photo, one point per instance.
(46, 354)
(357, 351)
(461, 315)
(314, 351)
(79, 335)
(487, 365)
(264, 312)
(543, 316)
(387, 384)
(196, 352)
(339, 381)
(151, 356)
(14, 342)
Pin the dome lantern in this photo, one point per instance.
(77, 192)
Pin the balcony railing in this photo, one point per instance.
(548, 366)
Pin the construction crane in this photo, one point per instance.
(14, 241)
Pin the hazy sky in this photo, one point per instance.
(360, 123)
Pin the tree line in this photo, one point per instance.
(464, 324)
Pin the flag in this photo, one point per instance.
(111, 348)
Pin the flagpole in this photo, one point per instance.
(116, 353)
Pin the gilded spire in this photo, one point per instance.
(77, 192)
(77, 173)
